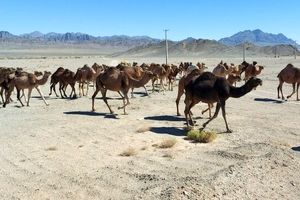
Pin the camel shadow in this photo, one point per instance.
(269, 100)
(168, 130)
(296, 148)
(165, 118)
(142, 94)
(89, 113)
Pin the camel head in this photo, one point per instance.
(47, 73)
(37, 73)
(253, 83)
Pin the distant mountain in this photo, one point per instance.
(76, 38)
(257, 37)
(207, 48)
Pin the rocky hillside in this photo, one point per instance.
(257, 37)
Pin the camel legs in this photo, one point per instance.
(1, 94)
(103, 91)
(179, 94)
(294, 91)
(125, 104)
(40, 92)
(298, 84)
(208, 109)
(29, 95)
(215, 115)
(224, 116)
(52, 87)
(189, 103)
(93, 98)
(132, 96)
(146, 91)
(18, 97)
(279, 89)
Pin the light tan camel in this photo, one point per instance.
(291, 75)
(28, 81)
(233, 78)
(115, 80)
(252, 71)
(221, 70)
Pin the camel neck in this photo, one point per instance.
(144, 80)
(237, 92)
(43, 80)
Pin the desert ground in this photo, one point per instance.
(65, 151)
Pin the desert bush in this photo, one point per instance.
(167, 143)
(201, 136)
(129, 152)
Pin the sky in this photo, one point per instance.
(208, 19)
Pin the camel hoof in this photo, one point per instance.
(178, 114)
(288, 97)
(229, 131)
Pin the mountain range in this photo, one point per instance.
(257, 37)
(257, 43)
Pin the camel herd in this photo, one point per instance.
(195, 82)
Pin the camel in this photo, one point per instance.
(291, 75)
(55, 78)
(161, 73)
(172, 76)
(144, 79)
(192, 72)
(210, 88)
(83, 76)
(252, 70)
(115, 80)
(233, 78)
(67, 78)
(135, 72)
(28, 81)
(221, 70)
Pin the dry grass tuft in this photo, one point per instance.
(144, 148)
(167, 143)
(169, 155)
(201, 136)
(53, 148)
(129, 152)
(143, 129)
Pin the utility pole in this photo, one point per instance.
(244, 51)
(166, 38)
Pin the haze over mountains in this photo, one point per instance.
(258, 43)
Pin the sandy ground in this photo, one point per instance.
(64, 151)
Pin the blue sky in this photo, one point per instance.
(211, 19)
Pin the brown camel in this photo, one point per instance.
(210, 88)
(192, 73)
(172, 76)
(115, 80)
(28, 81)
(55, 78)
(85, 75)
(161, 73)
(144, 79)
(291, 75)
(67, 78)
